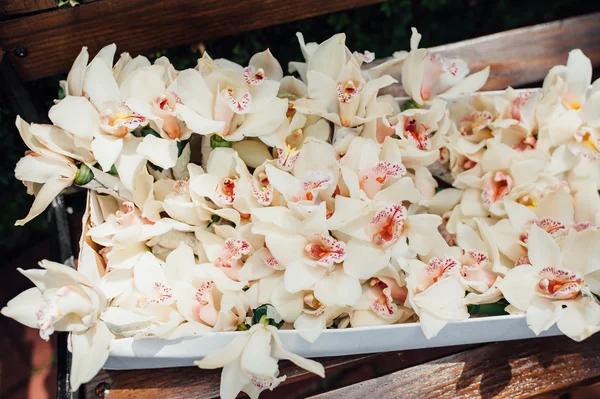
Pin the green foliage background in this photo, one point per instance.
(382, 28)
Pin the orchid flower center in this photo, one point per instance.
(315, 182)
(346, 92)
(373, 179)
(496, 186)
(435, 66)
(240, 106)
(232, 252)
(472, 267)
(162, 295)
(203, 307)
(253, 76)
(291, 111)
(119, 120)
(417, 132)
(128, 215)
(325, 250)
(382, 302)
(182, 187)
(262, 189)
(436, 269)
(164, 107)
(528, 201)
(226, 190)
(474, 122)
(387, 225)
(396, 291)
(288, 156)
(47, 316)
(516, 104)
(313, 303)
(589, 145)
(549, 225)
(527, 143)
(559, 284)
(571, 101)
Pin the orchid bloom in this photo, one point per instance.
(48, 167)
(337, 91)
(68, 300)
(479, 262)
(382, 301)
(554, 214)
(426, 75)
(246, 98)
(333, 295)
(250, 362)
(552, 288)
(436, 292)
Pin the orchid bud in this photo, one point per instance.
(84, 175)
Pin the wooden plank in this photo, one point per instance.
(512, 369)
(522, 57)
(16, 7)
(190, 382)
(53, 39)
(187, 382)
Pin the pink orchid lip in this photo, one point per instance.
(549, 225)
(347, 91)
(496, 186)
(232, 252)
(387, 225)
(396, 291)
(584, 226)
(226, 190)
(526, 144)
(253, 76)
(128, 215)
(435, 66)
(315, 182)
(522, 260)
(262, 189)
(472, 268)
(515, 105)
(382, 302)
(436, 269)
(474, 121)
(559, 284)
(417, 132)
(373, 179)
(204, 306)
(325, 250)
(164, 108)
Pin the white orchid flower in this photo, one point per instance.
(337, 90)
(554, 214)
(426, 75)
(479, 263)
(436, 292)
(68, 300)
(552, 287)
(333, 295)
(49, 165)
(250, 362)
(382, 300)
(245, 99)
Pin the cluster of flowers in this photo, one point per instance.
(314, 205)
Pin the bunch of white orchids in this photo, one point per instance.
(313, 206)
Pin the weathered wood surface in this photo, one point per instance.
(513, 369)
(522, 57)
(15, 7)
(193, 383)
(53, 39)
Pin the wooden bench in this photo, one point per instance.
(521, 57)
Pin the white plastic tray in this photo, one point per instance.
(150, 353)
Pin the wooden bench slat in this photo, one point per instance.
(15, 7)
(512, 369)
(523, 56)
(53, 39)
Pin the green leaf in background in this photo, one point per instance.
(180, 146)
(149, 131)
(489, 309)
(267, 315)
(217, 141)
